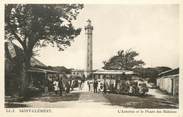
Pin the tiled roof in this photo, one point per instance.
(170, 72)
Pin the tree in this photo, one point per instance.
(123, 60)
(36, 25)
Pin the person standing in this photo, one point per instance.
(46, 86)
(88, 83)
(105, 87)
(79, 83)
(55, 85)
(95, 85)
(60, 84)
(68, 87)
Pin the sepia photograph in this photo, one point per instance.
(91, 56)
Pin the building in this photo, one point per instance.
(111, 74)
(37, 74)
(168, 81)
(89, 64)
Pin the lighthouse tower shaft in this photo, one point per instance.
(88, 31)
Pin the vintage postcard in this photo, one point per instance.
(91, 58)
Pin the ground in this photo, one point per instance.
(85, 99)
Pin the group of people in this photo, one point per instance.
(117, 86)
(138, 89)
(102, 86)
(58, 87)
(96, 86)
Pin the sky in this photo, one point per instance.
(151, 30)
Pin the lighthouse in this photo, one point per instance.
(89, 62)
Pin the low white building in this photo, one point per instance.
(169, 81)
